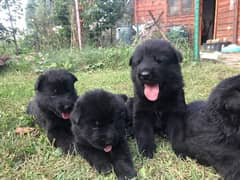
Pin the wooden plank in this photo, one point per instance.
(215, 20)
(235, 22)
(226, 27)
(142, 8)
(135, 12)
(224, 3)
(223, 20)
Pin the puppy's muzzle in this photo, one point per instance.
(145, 75)
(66, 108)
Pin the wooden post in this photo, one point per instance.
(136, 17)
(235, 22)
(215, 20)
(78, 25)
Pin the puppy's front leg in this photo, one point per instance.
(96, 158)
(61, 138)
(144, 131)
(175, 131)
(122, 161)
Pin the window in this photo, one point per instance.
(187, 6)
(179, 7)
(173, 7)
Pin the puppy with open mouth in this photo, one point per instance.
(51, 107)
(159, 102)
(98, 126)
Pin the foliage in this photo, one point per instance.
(88, 59)
(186, 49)
(99, 16)
(48, 23)
(13, 11)
(179, 36)
(4, 33)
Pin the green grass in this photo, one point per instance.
(32, 157)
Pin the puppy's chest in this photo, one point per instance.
(158, 119)
(232, 137)
(159, 123)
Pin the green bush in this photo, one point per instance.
(179, 36)
(88, 59)
(186, 49)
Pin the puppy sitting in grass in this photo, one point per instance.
(98, 126)
(213, 129)
(52, 104)
(158, 106)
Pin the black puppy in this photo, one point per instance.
(159, 103)
(52, 104)
(98, 126)
(213, 129)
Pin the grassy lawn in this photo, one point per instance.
(32, 157)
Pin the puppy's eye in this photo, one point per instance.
(97, 123)
(55, 91)
(156, 59)
(138, 61)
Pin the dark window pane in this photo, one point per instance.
(173, 7)
(187, 6)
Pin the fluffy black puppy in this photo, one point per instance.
(52, 104)
(159, 103)
(98, 126)
(213, 129)
(129, 122)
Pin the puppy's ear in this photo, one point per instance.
(39, 83)
(75, 115)
(77, 112)
(123, 97)
(232, 103)
(130, 60)
(74, 78)
(179, 56)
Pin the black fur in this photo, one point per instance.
(213, 129)
(55, 94)
(157, 62)
(98, 121)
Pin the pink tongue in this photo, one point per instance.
(151, 91)
(108, 148)
(65, 115)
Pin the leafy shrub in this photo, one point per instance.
(186, 49)
(179, 36)
(88, 59)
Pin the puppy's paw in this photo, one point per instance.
(147, 150)
(125, 170)
(104, 167)
(127, 175)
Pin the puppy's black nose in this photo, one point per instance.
(144, 75)
(67, 107)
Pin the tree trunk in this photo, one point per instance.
(111, 38)
(78, 24)
(13, 30)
